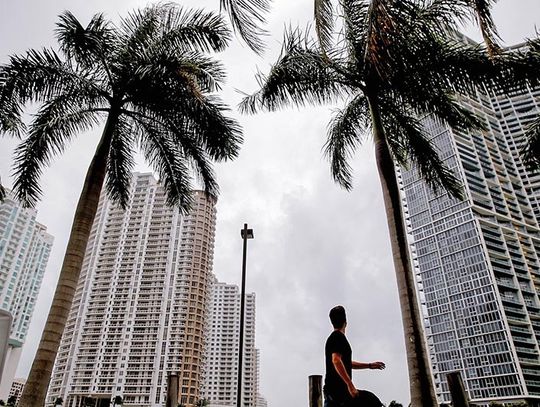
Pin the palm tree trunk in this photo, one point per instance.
(35, 389)
(420, 379)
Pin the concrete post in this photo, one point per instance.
(315, 391)
(457, 390)
(172, 390)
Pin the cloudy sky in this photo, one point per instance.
(315, 245)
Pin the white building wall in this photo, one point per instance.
(140, 306)
(221, 369)
(25, 247)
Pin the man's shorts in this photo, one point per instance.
(364, 399)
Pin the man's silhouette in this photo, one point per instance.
(339, 390)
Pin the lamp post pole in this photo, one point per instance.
(246, 234)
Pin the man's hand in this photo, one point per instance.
(353, 391)
(377, 365)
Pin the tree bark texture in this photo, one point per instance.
(35, 389)
(420, 379)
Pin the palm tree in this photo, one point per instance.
(394, 63)
(149, 79)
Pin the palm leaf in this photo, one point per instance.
(246, 17)
(482, 10)
(410, 144)
(120, 162)
(345, 135)
(85, 45)
(56, 123)
(531, 150)
(166, 158)
(38, 76)
(188, 142)
(195, 30)
(324, 23)
(3, 192)
(301, 76)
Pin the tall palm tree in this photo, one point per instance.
(150, 80)
(394, 63)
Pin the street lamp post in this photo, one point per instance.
(246, 234)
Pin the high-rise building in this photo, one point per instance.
(140, 304)
(221, 369)
(25, 247)
(16, 390)
(477, 260)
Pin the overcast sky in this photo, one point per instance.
(315, 245)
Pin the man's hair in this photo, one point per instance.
(338, 317)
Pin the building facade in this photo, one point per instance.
(140, 305)
(25, 247)
(221, 368)
(477, 260)
(17, 387)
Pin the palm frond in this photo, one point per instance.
(247, 17)
(163, 69)
(410, 144)
(138, 30)
(85, 45)
(3, 192)
(38, 76)
(482, 11)
(302, 76)
(324, 23)
(355, 18)
(440, 15)
(166, 157)
(220, 135)
(345, 135)
(192, 30)
(531, 150)
(120, 162)
(174, 95)
(53, 126)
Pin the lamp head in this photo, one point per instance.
(247, 233)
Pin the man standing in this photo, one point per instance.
(339, 390)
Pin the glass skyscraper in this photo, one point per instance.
(477, 260)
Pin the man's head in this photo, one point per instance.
(338, 317)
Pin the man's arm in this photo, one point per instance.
(342, 372)
(371, 365)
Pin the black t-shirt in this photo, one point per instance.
(333, 383)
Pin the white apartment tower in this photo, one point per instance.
(477, 261)
(221, 369)
(140, 305)
(25, 247)
(17, 388)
